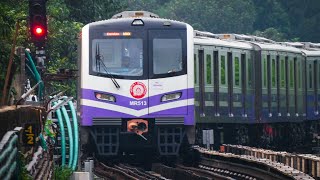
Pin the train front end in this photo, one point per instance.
(136, 87)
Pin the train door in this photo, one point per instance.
(310, 88)
(316, 86)
(196, 80)
(282, 85)
(201, 82)
(278, 84)
(299, 98)
(230, 83)
(249, 87)
(291, 84)
(208, 81)
(265, 80)
(272, 57)
(318, 60)
(223, 83)
(236, 96)
(216, 81)
(302, 85)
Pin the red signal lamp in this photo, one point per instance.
(38, 31)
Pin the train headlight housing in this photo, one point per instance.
(137, 22)
(105, 97)
(170, 97)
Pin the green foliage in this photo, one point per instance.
(271, 33)
(274, 19)
(65, 20)
(87, 11)
(304, 18)
(62, 173)
(271, 14)
(61, 44)
(23, 173)
(10, 14)
(217, 16)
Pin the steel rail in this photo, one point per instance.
(247, 166)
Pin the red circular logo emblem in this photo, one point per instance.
(138, 90)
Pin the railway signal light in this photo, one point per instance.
(38, 22)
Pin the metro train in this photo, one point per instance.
(147, 83)
(136, 85)
(252, 90)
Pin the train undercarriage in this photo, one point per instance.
(115, 141)
(299, 137)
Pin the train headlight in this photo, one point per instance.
(169, 97)
(137, 22)
(105, 97)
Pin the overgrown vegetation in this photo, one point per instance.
(23, 173)
(62, 173)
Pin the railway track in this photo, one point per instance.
(163, 172)
(159, 172)
(246, 167)
(124, 171)
(211, 165)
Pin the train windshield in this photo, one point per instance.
(120, 57)
(168, 53)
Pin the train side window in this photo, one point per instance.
(264, 72)
(319, 74)
(195, 69)
(299, 74)
(310, 76)
(223, 70)
(291, 74)
(315, 67)
(249, 64)
(283, 77)
(236, 72)
(208, 69)
(274, 75)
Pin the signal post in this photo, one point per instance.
(38, 28)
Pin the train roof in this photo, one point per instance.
(308, 49)
(127, 17)
(240, 41)
(129, 21)
(219, 42)
(278, 47)
(263, 43)
(135, 14)
(311, 53)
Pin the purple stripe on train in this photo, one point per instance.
(88, 113)
(143, 103)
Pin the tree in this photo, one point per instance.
(9, 15)
(304, 17)
(214, 16)
(271, 14)
(61, 44)
(86, 11)
(271, 33)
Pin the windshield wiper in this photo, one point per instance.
(99, 61)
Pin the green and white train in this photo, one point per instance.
(255, 91)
